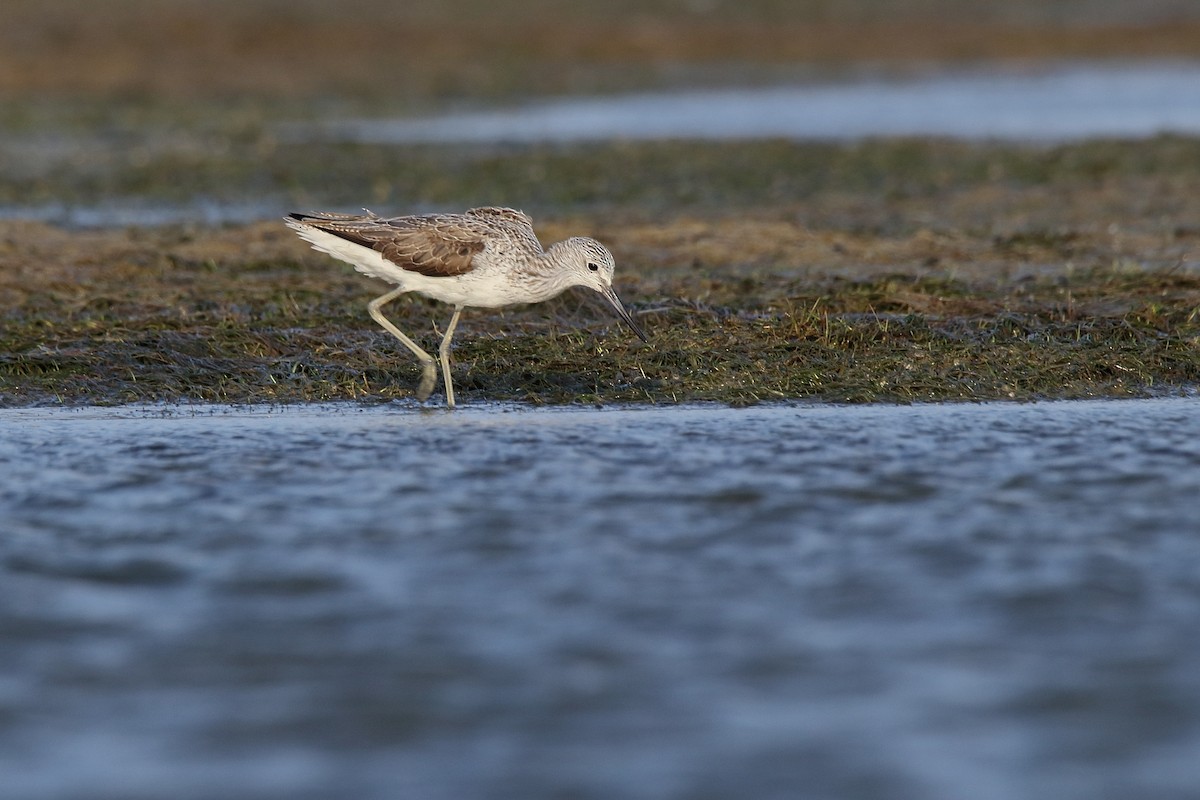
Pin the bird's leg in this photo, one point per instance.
(444, 353)
(428, 373)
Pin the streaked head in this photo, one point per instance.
(592, 266)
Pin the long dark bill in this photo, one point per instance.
(623, 313)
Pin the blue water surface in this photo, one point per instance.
(942, 601)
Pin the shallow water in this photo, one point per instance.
(986, 601)
(145, 213)
(1045, 104)
(1049, 104)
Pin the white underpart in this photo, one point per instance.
(482, 287)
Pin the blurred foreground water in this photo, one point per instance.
(986, 601)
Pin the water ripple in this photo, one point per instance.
(926, 601)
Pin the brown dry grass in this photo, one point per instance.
(182, 50)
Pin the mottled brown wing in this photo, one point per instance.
(433, 245)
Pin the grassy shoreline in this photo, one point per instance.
(741, 308)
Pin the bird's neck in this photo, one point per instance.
(552, 271)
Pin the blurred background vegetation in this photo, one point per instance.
(259, 53)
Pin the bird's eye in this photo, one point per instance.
(593, 267)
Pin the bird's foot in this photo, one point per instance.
(428, 379)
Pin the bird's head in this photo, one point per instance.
(591, 265)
